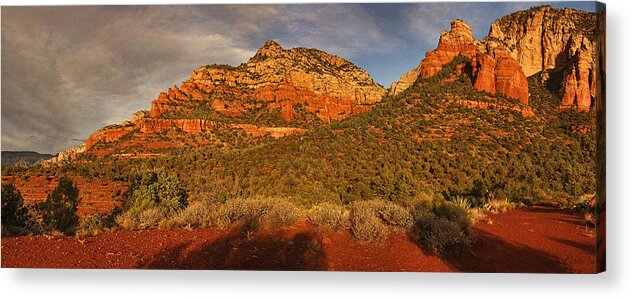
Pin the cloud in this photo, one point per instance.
(65, 75)
(344, 30)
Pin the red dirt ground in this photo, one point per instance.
(533, 239)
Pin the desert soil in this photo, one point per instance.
(532, 239)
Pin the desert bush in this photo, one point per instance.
(92, 226)
(439, 234)
(590, 218)
(59, 211)
(454, 213)
(328, 216)
(372, 220)
(395, 215)
(461, 202)
(365, 225)
(499, 205)
(197, 214)
(253, 213)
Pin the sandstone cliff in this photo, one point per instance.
(558, 43)
(277, 79)
(492, 68)
(280, 82)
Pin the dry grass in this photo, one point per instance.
(91, 226)
(372, 220)
(366, 226)
(589, 218)
(328, 216)
(197, 214)
(258, 212)
(500, 206)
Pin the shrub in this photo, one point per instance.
(395, 215)
(14, 214)
(366, 226)
(328, 216)
(499, 205)
(439, 234)
(197, 214)
(59, 211)
(456, 214)
(152, 196)
(372, 220)
(461, 202)
(92, 226)
(253, 213)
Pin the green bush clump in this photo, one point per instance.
(15, 217)
(439, 234)
(59, 211)
(152, 196)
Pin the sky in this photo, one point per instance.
(70, 70)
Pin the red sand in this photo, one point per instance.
(534, 239)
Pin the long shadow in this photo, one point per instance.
(591, 249)
(570, 213)
(491, 254)
(238, 251)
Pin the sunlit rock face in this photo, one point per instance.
(492, 68)
(328, 86)
(558, 43)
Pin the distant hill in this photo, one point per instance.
(22, 157)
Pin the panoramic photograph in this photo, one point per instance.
(381, 137)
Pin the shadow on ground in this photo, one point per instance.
(239, 251)
(491, 254)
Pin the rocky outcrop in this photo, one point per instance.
(275, 132)
(67, 155)
(108, 134)
(191, 126)
(328, 86)
(492, 67)
(556, 43)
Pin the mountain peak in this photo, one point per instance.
(270, 44)
(269, 49)
(459, 32)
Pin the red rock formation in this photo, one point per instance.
(509, 78)
(275, 132)
(553, 41)
(328, 86)
(493, 69)
(192, 126)
(108, 134)
(457, 41)
(578, 88)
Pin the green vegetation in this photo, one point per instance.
(420, 162)
(59, 211)
(14, 213)
(152, 196)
